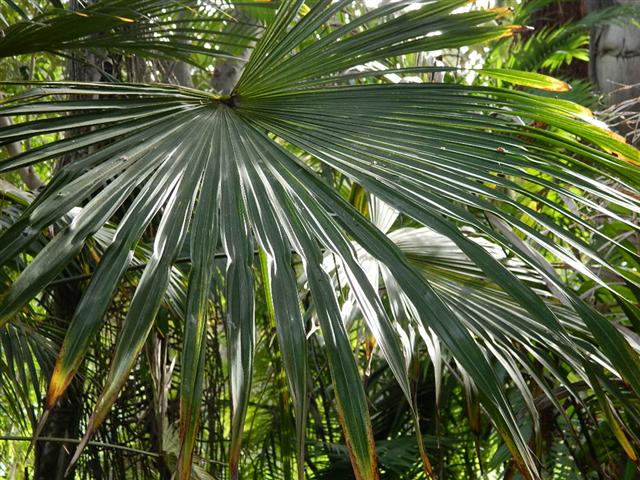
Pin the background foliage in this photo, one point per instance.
(413, 196)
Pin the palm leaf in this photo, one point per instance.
(442, 154)
(156, 28)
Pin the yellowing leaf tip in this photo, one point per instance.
(502, 11)
(520, 28)
(57, 386)
(556, 85)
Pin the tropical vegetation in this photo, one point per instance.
(312, 239)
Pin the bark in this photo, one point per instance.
(178, 73)
(615, 69)
(615, 55)
(227, 73)
(28, 174)
(52, 458)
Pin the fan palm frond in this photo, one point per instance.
(222, 170)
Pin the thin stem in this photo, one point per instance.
(9, 438)
(15, 438)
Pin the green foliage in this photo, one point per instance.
(381, 279)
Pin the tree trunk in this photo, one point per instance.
(615, 55)
(615, 63)
(52, 458)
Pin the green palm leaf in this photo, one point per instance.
(446, 156)
(157, 28)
